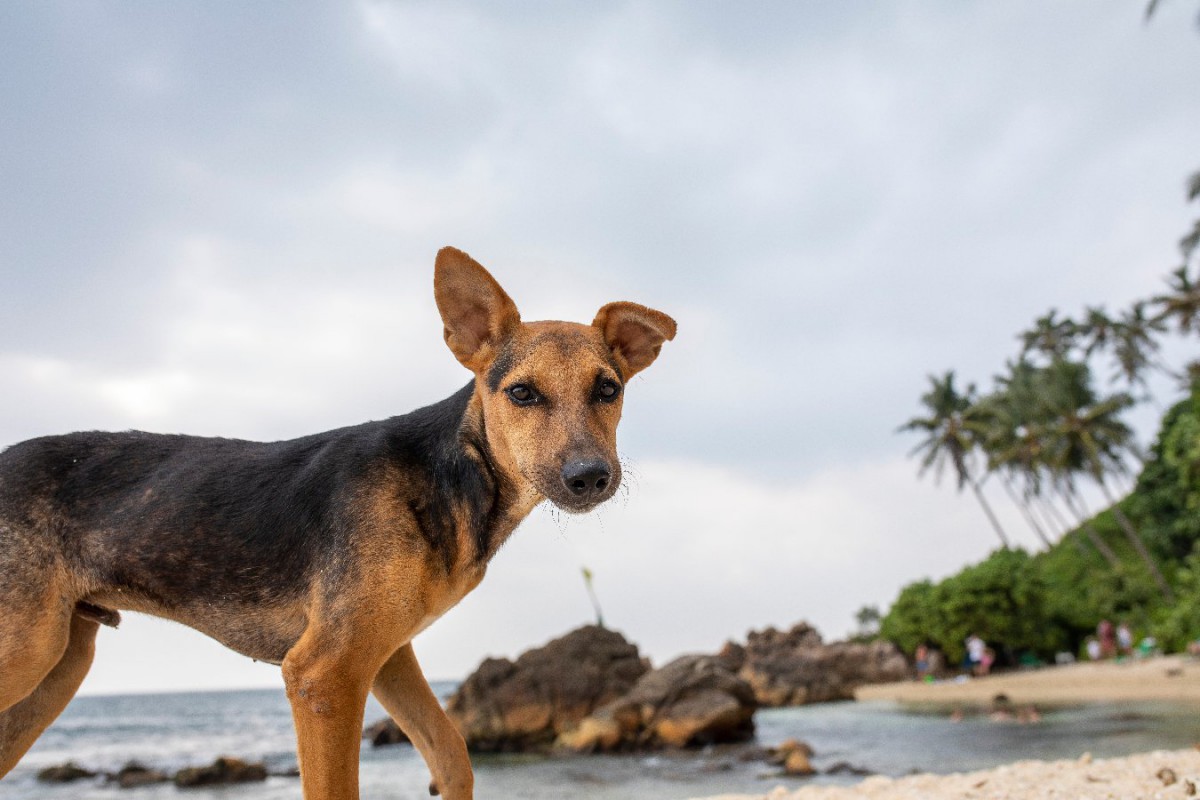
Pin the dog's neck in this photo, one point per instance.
(514, 497)
(470, 502)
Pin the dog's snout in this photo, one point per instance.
(586, 478)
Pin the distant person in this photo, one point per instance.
(1092, 646)
(1124, 639)
(921, 656)
(1108, 639)
(1028, 715)
(986, 660)
(975, 650)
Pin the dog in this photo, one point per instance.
(325, 554)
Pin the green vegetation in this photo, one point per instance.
(1044, 432)
(1051, 601)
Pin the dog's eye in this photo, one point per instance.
(523, 395)
(608, 390)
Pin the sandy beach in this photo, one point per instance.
(1168, 678)
(1160, 774)
(1150, 776)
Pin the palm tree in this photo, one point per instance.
(1001, 432)
(1087, 437)
(949, 438)
(1181, 305)
(1049, 336)
(1016, 440)
(1191, 241)
(1096, 329)
(1135, 345)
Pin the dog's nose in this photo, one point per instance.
(583, 478)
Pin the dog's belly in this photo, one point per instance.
(264, 632)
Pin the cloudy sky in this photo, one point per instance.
(220, 218)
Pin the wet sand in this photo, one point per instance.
(1169, 678)
(1149, 776)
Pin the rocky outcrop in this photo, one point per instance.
(692, 701)
(525, 704)
(792, 756)
(134, 774)
(64, 773)
(221, 772)
(385, 732)
(791, 668)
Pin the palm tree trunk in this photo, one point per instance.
(1093, 535)
(987, 509)
(1051, 512)
(1138, 545)
(1025, 510)
(1054, 517)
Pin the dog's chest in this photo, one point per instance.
(447, 593)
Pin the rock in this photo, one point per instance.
(525, 704)
(797, 764)
(793, 756)
(385, 732)
(222, 771)
(779, 755)
(64, 773)
(692, 701)
(133, 775)
(795, 667)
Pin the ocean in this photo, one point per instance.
(169, 731)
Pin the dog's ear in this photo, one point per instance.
(634, 333)
(477, 314)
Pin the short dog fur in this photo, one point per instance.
(325, 554)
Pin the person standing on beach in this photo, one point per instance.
(1107, 637)
(1124, 639)
(975, 651)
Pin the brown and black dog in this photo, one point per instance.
(325, 554)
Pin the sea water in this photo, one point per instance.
(170, 731)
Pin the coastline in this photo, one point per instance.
(1155, 774)
(1159, 774)
(1173, 679)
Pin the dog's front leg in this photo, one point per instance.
(327, 689)
(401, 688)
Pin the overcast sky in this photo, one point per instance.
(221, 218)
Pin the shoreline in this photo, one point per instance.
(1150, 775)
(1173, 679)
(1145, 776)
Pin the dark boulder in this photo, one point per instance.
(385, 732)
(134, 774)
(789, 668)
(692, 701)
(525, 704)
(64, 773)
(221, 772)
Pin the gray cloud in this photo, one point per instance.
(221, 219)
